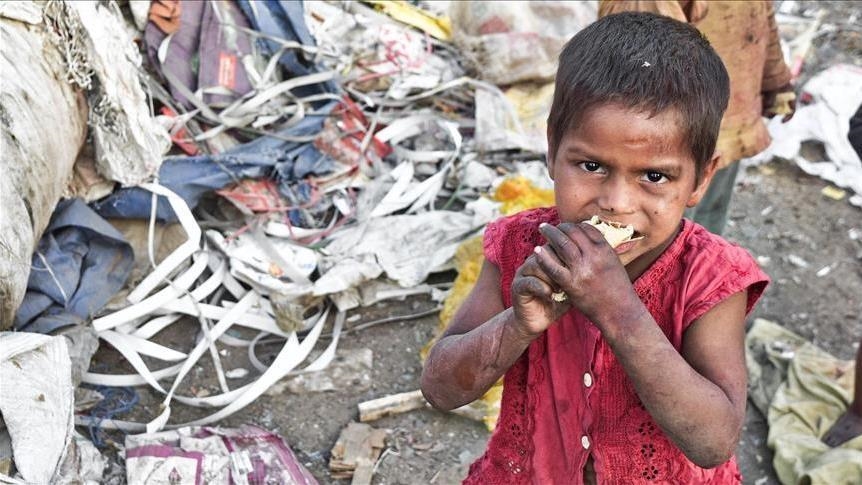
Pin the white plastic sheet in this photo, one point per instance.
(837, 94)
(37, 402)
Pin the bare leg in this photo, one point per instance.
(849, 425)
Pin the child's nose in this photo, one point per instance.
(617, 197)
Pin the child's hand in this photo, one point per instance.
(532, 301)
(580, 262)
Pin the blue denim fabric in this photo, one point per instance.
(89, 262)
(192, 177)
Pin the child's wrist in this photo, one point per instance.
(621, 314)
(518, 330)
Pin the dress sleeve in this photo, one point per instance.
(730, 271)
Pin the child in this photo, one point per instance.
(638, 375)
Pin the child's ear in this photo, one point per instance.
(549, 158)
(705, 179)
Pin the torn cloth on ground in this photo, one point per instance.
(192, 177)
(205, 54)
(193, 455)
(813, 389)
(80, 263)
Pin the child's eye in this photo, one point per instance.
(590, 166)
(656, 177)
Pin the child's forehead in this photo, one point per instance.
(618, 133)
(630, 123)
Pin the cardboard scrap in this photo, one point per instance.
(356, 451)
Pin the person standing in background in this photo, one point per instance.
(745, 36)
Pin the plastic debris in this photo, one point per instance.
(439, 27)
(39, 148)
(512, 42)
(37, 402)
(833, 193)
(836, 94)
(194, 455)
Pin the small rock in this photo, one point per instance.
(796, 261)
(237, 373)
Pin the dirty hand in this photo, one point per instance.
(781, 101)
(580, 262)
(532, 301)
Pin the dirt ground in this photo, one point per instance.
(778, 212)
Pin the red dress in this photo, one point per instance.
(568, 397)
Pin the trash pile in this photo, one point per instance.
(261, 168)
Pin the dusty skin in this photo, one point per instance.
(848, 426)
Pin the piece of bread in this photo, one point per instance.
(614, 232)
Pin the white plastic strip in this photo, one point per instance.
(156, 325)
(143, 346)
(149, 305)
(135, 360)
(242, 306)
(128, 380)
(285, 362)
(256, 321)
(192, 244)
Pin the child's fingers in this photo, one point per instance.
(550, 264)
(582, 234)
(564, 247)
(532, 267)
(529, 285)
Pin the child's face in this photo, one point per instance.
(626, 167)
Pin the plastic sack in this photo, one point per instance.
(196, 455)
(44, 124)
(509, 42)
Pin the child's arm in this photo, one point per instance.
(697, 397)
(485, 339)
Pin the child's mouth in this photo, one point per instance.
(626, 246)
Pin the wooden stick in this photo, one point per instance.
(392, 404)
